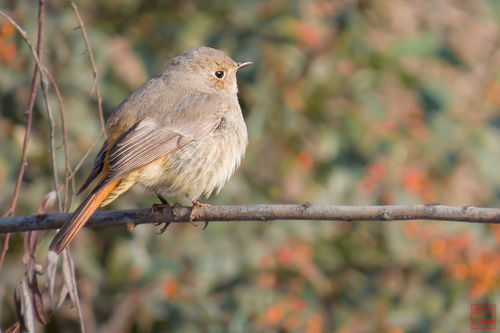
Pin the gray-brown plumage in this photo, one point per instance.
(181, 134)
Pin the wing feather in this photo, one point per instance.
(147, 141)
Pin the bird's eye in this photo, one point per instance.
(219, 74)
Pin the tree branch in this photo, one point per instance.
(179, 214)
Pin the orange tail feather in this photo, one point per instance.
(80, 216)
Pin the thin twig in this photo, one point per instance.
(52, 145)
(92, 63)
(78, 166)
(28, 113)
(95, 87)
(67, 166)
(5, 247)
(87, 153)
(180, 214)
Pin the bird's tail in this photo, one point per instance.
(80, 216)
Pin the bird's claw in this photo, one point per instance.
(159, 208)
(164, 228)
(193, 215)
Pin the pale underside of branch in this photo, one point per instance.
(179, 214)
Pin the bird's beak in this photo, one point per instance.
(243, 64)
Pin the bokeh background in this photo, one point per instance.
(348, 102)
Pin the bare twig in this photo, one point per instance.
(67, 166)
(5, 247)
(84, 157)
(95, 87)
(79, 165)
(179, 214)
(52, 144)
(92, 63)
(28, 113)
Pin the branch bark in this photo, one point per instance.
(180, 214)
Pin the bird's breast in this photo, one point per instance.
(200, 167)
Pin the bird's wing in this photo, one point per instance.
(150, 139)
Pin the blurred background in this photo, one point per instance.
(348, 102)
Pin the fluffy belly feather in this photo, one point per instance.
(197, 169)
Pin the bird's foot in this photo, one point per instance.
(159, 208)
(193, 215)
(163, 228)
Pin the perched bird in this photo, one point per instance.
(181, 134)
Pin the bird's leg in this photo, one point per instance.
(192, 216)
(156, 207)
(163, 200)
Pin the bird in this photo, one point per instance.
(180, 134)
